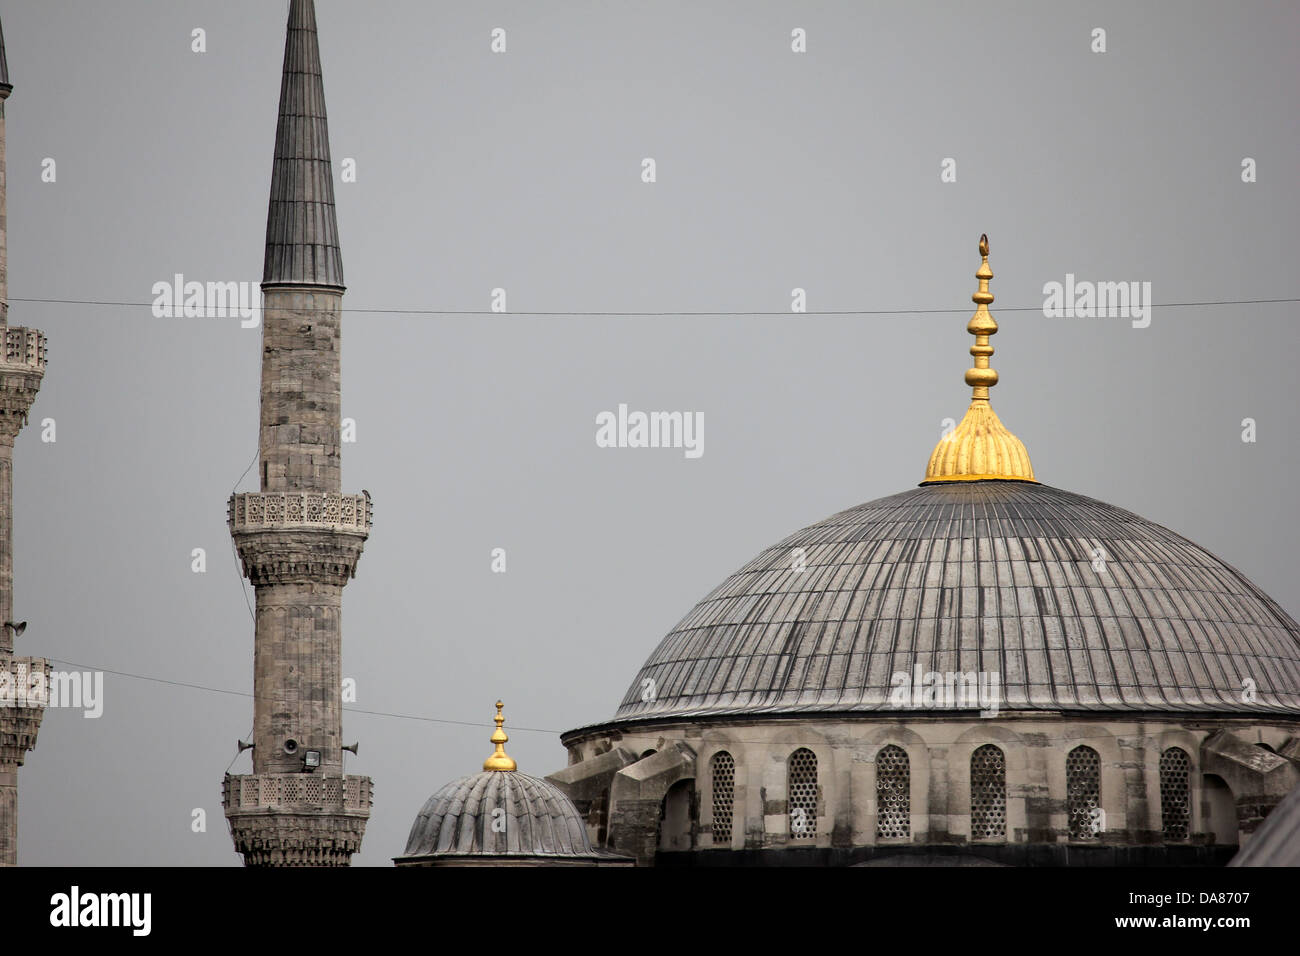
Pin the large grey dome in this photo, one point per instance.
(537, 820)
(991, 576)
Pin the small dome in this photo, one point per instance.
(501, 816)
(465, 818)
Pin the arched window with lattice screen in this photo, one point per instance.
(893, 794)
(1175, 799)
(988, 793)
(801, 790)
(722, 772)
(1083, 793)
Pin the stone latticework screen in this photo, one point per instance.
(988, 793)
(1175, 806)
(801, 781)
(1083, 792)
(893, 794)
(723, 772)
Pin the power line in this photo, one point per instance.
(240, 693)
(702, 314)
(892, 713)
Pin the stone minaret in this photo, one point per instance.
(24, 681)
(299, 538)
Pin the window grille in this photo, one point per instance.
(801, 788)
(722, 771)
(1175, 803)
(1083, 793)
(893, 794)
(988, 793)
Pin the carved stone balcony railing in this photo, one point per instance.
(24, 695)
(25, 347)
(297, 819)
(298, 793)
(253, 511)
(24, 682)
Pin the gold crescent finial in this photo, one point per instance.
(981, 378)
(980, 448)
(499, 759)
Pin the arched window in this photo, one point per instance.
(893, 794)
(676, 829)
(988, 793)
(1083, 793)
(1175, 803)
(801, 788)
(722, 771)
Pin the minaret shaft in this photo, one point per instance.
(300, 408)
(298, 676)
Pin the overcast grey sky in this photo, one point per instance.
(522, 170)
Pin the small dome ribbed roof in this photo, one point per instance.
(539, 820)
(992, 576)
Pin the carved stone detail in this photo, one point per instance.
(22, 367)
(300, 509)
(299, 556)
(24, 692)
(297, 819)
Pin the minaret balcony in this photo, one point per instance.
(252, 511)
(24, 695)
(21, 370)
(25, 348)
(297, 819)
(297, 793)
(299, 536)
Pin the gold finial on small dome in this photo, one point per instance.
(499, 759)
(980, 448)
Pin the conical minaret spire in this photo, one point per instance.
(22, 367)
(299, 537)
(980, 448)
(302, 232)
(5, 89)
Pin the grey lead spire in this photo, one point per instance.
(4, 62)
(302, 233)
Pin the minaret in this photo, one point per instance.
(24, 681)
(299, 538)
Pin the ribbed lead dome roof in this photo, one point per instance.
(539, 820)
(978, 576)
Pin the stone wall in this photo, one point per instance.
(939, 752)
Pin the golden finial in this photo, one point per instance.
(499, 759)
(980, 448)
